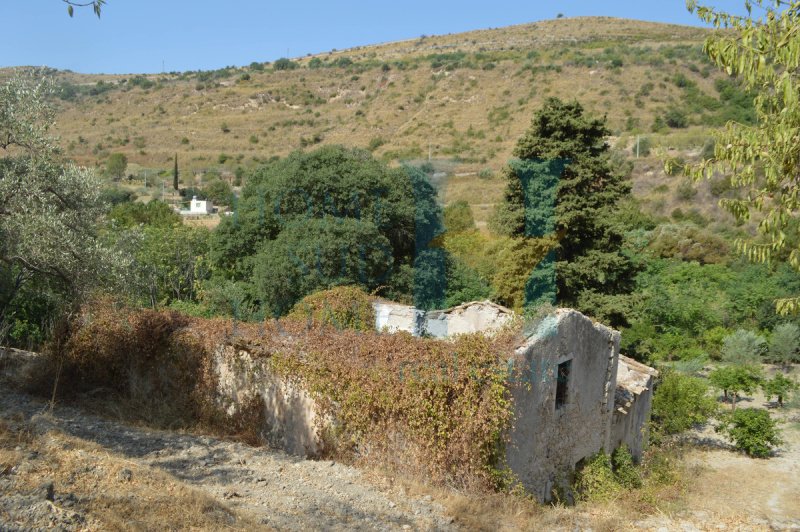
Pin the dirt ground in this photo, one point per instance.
(71, 470)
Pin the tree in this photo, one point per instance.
(219, 192)
(367, 211)
(743, 347)
(734, 380)
(49, 208)
(762, 159)
(680, 402)
(175, 174)
(117, 164)
(564, 183)
(779, 386)
(784, 344)
(458, 217)
(753, 431)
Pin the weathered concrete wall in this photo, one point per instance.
(547, 442)
(478, 316)
(290, 414)
(394, 317)
(633, 399)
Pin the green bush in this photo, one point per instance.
(624, 469)
(343, 307)
(779, 387)
(675, 118)
(743, 347)
(284, 64)
(680, 402)
(595, 481)
(753, 431)
(458, 217)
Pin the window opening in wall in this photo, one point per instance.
(562, 383)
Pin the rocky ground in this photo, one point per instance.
(253, 485)
(68, 469)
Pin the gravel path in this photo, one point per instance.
(275, 489)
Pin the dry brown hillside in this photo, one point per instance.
(464, 98)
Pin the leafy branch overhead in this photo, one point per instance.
(762, 159)
(96, 6)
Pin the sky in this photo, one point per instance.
(150, 36)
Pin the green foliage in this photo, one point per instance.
(284, 64)
(784, 344)
(771, 69)
(780, 387)
(50, 208)
(735, 380)
(219, 192)
(324, 218)
(753, 431)
(319, 253)
(117, 164)
(676, 118)
(564, 182)
(624, 469)
(595, 481)
(115, 195)
(458, 217)
(681, 402)
(743, 347)
(171, 263)
(343, 307)
(688, 242)
(155, 213)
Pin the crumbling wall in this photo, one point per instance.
(546, 442)
(478, 316)
(289, 413)
(633, 399)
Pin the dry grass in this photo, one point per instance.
(151, 499)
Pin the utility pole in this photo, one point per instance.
(637, 146)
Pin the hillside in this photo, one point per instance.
(462, 100)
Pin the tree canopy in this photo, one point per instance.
(762, 159)
(564, 184)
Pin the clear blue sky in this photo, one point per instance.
(136, 35)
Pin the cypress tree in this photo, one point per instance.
(175, 174)
(591, 269)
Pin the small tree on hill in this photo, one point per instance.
(779, 386)
(784, 344)
(753, 431)
(735, 380)
(117, 164)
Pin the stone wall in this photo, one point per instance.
(548, 441)
(478, 316)
(632, 402)
(289, 413)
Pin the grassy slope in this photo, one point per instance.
(473, 113)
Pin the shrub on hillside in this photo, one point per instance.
(753, 431)
(681, 402)
(138, 356)
(342, 307)
(743, 347)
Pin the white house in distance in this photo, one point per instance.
(198, 207)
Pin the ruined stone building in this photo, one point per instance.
(574, 394)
